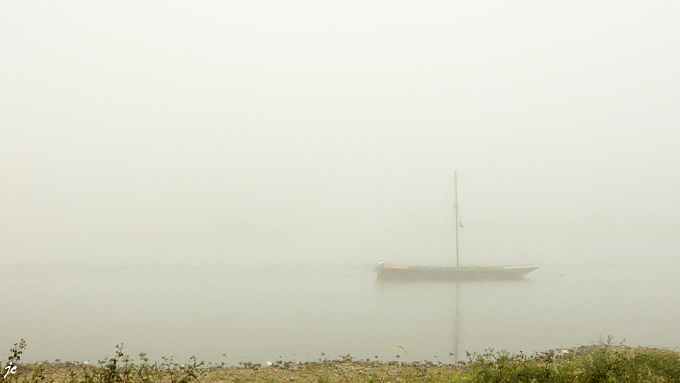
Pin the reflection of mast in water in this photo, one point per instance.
(456, 318)
(456, 325)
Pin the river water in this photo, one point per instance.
(267, 313)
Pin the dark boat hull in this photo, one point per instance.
(452, 273)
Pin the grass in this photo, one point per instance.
(601, 363)
(118, 369)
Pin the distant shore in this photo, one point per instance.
(587, 364)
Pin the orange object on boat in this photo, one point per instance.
(393, 266)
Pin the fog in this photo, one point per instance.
(223, 133)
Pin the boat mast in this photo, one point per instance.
(455, 207)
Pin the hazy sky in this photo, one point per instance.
(328, 132)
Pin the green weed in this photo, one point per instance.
(604, 363)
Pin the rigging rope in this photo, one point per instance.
(444, 216)
(497, 226)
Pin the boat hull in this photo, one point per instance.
(452, 273)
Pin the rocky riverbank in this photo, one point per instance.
(328, 371)
(603, 363)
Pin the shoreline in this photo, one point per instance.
(592, 362)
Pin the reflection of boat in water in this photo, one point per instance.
(397, 272)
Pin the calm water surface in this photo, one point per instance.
(233, 314)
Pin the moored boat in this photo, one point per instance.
(397, 272)
(391, 271)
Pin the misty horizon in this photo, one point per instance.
(320, 133)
